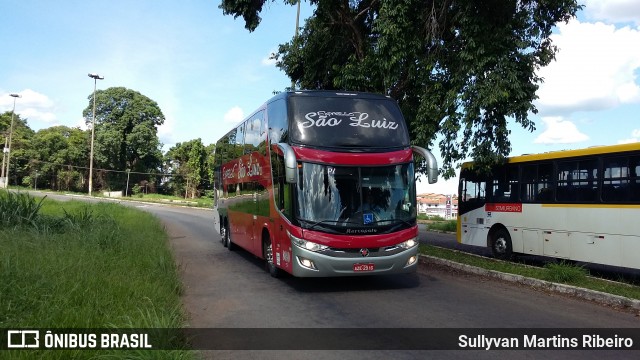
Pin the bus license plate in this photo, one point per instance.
(363, 267)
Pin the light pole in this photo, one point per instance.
(8, 150)
(95, 78)
(4, 159)
(293, 83)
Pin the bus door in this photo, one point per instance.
(474, 219)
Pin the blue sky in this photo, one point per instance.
(206, 72)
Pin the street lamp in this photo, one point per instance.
(293, 83)
(8, 149)
(95, 78)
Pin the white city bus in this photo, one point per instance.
(581, 205)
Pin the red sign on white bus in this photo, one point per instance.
(503, 207)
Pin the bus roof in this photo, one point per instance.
(560, 154)
(328, 93)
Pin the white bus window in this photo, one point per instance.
(577, 181)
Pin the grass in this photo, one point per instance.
(447, 225)
(17, 209)
(79, 265)
(202, 202)
(197, 202)
(559, 272)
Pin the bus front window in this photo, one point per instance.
(345, 197)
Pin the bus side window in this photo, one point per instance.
(617, 183)
(528, 189)
(282, 191)
(475, 190)
(634, 166)
(504, 187)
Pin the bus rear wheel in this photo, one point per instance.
(501, 246)
(267, 253)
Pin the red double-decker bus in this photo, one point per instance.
(321, 183)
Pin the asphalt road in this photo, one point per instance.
(230, 290)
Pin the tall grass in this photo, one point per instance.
(564, 272)
(73, 265)
(18, 209)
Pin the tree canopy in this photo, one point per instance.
(20, 144)
(192, 161)
(126, 130)
(60, 154)
(459, 69)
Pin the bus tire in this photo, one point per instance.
(227, 242)
(223, 235)
(501, 246)
(267, 253)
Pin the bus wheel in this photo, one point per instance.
(267, 253)
(501, 244)
(223, 236)
(227, 241)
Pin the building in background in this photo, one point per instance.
(445, 206)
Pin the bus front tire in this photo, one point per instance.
(223, 236)
(501, 246)
(267, 253)
(227, 241)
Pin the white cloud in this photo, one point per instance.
(81, 124)
(234, 115)
(559, 131)
(166, 131)
(616, 11)
(269, 60)
(635, 137)
(31, 105)
(594, 69)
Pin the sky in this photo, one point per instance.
(207, 72)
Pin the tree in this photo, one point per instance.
(191, 162)
(126, 132)
(458, 68)
(60, 153)
(20, 145)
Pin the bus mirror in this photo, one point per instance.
(289, 163)
(432, 164)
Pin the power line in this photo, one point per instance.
(106, 170)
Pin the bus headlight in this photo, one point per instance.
(409, 243)
(307, 245)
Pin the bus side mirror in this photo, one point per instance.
(289, 163)
(432, 164)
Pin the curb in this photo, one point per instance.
(592, 295)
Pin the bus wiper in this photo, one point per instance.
(399, 221)
(331, 222)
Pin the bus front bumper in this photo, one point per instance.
(313, 264)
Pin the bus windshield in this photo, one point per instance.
(346, 197)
